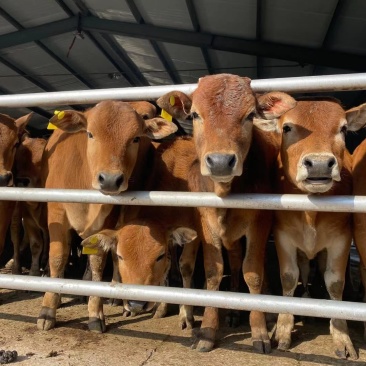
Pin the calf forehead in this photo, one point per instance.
(321, 116)
(114, 118)
(141, 238)
(223, 95)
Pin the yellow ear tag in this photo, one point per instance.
(51, 126)
(172, 100)
(166, 115)
(60, 115)
(87, 250)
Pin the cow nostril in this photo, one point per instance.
(232, 161)
(331, 162)
(101, 178)
(308, 163)
(209, 161)
(119, 180)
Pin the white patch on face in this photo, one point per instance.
(314, 186)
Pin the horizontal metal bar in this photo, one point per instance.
(218, 299)
(301, 84)
(291, 202)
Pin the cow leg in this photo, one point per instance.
(214, 266)
(95, 304)
(304, 267)
(235, 256)
(15, 234)
(36, 247)
(116, 278)
(287, 256)
(187, 262)
(359, 234)
(253, 270)
(334, 277)
(58, 256)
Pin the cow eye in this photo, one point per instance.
(286, 128)
(251, 115)
(89, 134)
(120, 257)
(161, 256)
(136, 139)
(145, 116)
(195, 115)
(344, 129)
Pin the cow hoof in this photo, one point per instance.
(115, 302)
(284, 345)
(186, 323)
(204, 340)
(97, 325)
(343, 353)
(262, 346)
(232, 319)
(35, 272)
(46, 319)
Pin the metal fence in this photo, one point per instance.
(307, 307)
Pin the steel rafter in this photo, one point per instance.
(303, 55)
(160, 51)
(197, 28)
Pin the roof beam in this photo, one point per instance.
(125, 66)
(160, 51)
(17, 25)
(303, 55)
(259, 32)
(197, 28)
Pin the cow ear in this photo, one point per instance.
(22, 122)
(268, 125)
(181, 235)
(176, 103)
(69, 121)
(274, 104)
(356, 117)
(144, 109)
(103, 241)
(158, 128)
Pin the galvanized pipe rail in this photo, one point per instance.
(218, 299)
(304, 84)
(291, 202)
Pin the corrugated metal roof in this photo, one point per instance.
(156, 42)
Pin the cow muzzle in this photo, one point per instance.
(221, 167)
(6, 179)
(138, 307)
(317, 172)
(110, 183)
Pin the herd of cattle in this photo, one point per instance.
(242, 143)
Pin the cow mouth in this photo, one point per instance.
(318, 180)
(220, 179)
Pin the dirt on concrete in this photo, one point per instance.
(142, 340)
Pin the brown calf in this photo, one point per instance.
(314, 160)
(233, 157)
(103, 148)
(27, 173)
(11, 131)
(143, 242)
(359, 219)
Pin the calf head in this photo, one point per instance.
(313, 142)
(113, 131)
(222, 108)
(142, 247)
(10, 134)
(28, 162)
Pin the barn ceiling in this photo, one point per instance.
(55, 45)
